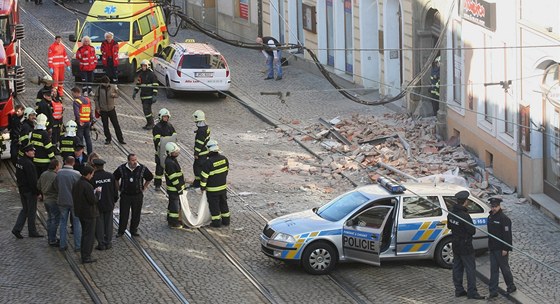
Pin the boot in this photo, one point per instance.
(149, 123)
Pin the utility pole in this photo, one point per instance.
(259, 18)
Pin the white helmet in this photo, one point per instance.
(28, 111)
(198, 115)
(71, 124)
(47, 79)
(164, 112)
(146, 62)
(171, 147)
(41, 119)
(212, 145)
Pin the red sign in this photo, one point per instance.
(480, 12)
(244, 9)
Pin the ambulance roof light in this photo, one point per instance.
(390, 185)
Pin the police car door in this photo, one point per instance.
(361, 234)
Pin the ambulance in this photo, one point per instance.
(139, 28)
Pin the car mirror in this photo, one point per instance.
(72, 38)
(352, 222)
(136, 37)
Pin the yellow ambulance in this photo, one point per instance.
(138, 27)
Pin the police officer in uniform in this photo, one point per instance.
(26, 176)
(162, 129)
(70, 140)
(43, 106)
(214, 182)
(44, 150)
(107, 199)
(499, 226)
(200, 150)
(175, 184)
(86, 209)
(134, 180)
(462, 231)
(15, 120)
(27, 126)
(147, 84)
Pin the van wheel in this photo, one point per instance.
(222, 95)
(169, 93)
(444, 253)
(319, 258)
(132, 72)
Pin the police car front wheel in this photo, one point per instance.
(444, 253)
(319, 258)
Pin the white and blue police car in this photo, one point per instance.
(374, 223)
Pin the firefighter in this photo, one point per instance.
(57, 115)
(147, 84)
(175, 184)
(162, 129)
(57, 60)
(434, 84)
(15, 119)
(88, 61)
(47, 82)
(44, 150)
(214, 182)
(27, 126)
(83, 115)
(200, 151)
(69, 141)
(110, 57)
(44, 106)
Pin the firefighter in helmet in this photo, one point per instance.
(201, 139)
(44, 150)
(27, 126)
(69, 141)
(175, 184)
(161, 130)
(214, 182)
(147, 84)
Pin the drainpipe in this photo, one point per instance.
(519, 155)
(259, 18)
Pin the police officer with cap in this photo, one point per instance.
(107, 197)
(462, 231)
(499, 245)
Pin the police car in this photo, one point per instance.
(374, 223)
(192, 66)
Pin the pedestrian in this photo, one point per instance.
(69, 142)
(44, 150)
(27, 126)
(86, 207)
(110, 56)
(134, 180)
(462, 231)
(65, 179)
(434, 84)
(273, 56)
(83, 115)
(15, 120)
(499, 245)
(107, 198)
(81, 158)
(26, 177)
(57, 60)
(200, 150)
(160, 131)
(175, 181)
(88, 61)
(105, 106)
(214, 182)
(147, 84)
(49, 196)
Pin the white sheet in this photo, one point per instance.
(201, 218)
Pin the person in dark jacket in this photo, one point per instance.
(105, 107)
(161, 130)
(107, 199)
(147, 84)
(49, 196)
(44, 149)
(43, 106)
(27, 126)
(14, 126)
(200, 150)
(26, 176)
(86, 208)
(69, 141)
(65, 180)
(462, 231)
(214, 182)
(273, 56)
(499, 245)
(434, 84)
(134, 180)
(80, 156)
(175, 184)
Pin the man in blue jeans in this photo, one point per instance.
(273, 56)
(65, 180)
(50, 197)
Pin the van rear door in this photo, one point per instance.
(206, 72)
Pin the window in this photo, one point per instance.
(96, 30)
(203, 62)
(5, 30)
(242, 9)
(330, 33)
(488, 78)
(509, 112)
(145, 27)
(373, 218)
(472, 207)
(341, 206)
(348, 37)
(457, 62)
(418, 206)
(4, 84)
(135, 29)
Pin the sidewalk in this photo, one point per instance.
(311, 97)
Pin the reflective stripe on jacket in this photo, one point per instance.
(214, 173)
(87, 58)
(57, 56)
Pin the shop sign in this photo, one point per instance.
(481, 13)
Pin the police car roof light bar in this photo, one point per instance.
(391, 185)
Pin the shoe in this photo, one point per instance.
(493, 295)
(268, 78)
(63, 248)
(108, 142)
(108, 246)
(476, 297)
(512, 290)
(135, 233)
(36, 235)
(100, 247)
(279, 78)
(55, 244)
(87, 261)
(461, 294)
(119, 235)
(122, 142)
(77, 249)
(17, 234)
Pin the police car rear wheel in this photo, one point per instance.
(444, 253)
(319, 258)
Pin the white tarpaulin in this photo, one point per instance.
(201, 218)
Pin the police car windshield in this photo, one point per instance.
(341, 206)
(96, 30)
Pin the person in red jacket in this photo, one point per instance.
(57, 60)
(110, 57)
(88, 61)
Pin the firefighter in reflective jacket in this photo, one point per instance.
(175, 184)
(214, 181)
(57, 115)
(57, 60)
(200, 151)
(434, 84)
(147, 84)
(44, 150)
(69, 141)
(161, 130)
(83, 115)
(27, 126)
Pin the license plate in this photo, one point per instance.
(204, 74)
(98, 71)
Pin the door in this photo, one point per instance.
(362, 235)
(160, 64)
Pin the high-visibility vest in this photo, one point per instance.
(58, 109)
(85, 110)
